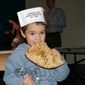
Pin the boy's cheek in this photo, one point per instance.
(44, 37)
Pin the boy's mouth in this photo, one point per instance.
(35, 43)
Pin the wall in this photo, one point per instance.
(74, 32)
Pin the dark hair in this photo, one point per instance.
(24, 28)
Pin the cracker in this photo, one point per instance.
(40, 54)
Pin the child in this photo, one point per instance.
(33, 30)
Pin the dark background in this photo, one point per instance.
(8, 8)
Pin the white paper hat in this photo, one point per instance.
(31, 15)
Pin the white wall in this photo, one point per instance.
(35, 3)
(74, 32)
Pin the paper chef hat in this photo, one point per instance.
(31, 15)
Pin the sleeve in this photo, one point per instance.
(14, 60)
(61, 72)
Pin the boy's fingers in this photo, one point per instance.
(55, 52)
(29, 80)
(31, 83)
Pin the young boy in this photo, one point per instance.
(33, 28)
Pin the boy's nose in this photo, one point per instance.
(38, 37)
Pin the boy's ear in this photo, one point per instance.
(23, 34)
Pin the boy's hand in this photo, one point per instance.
(28, 81)
(55, 52)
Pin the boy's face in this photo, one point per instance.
(35, 33)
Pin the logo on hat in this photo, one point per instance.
(33, 14)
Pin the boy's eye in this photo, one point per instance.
(42, 32)
(32, 33)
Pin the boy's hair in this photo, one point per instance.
(24, 28)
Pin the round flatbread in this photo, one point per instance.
(40, 54)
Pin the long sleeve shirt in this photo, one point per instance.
(57, 20)
(46, 76)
